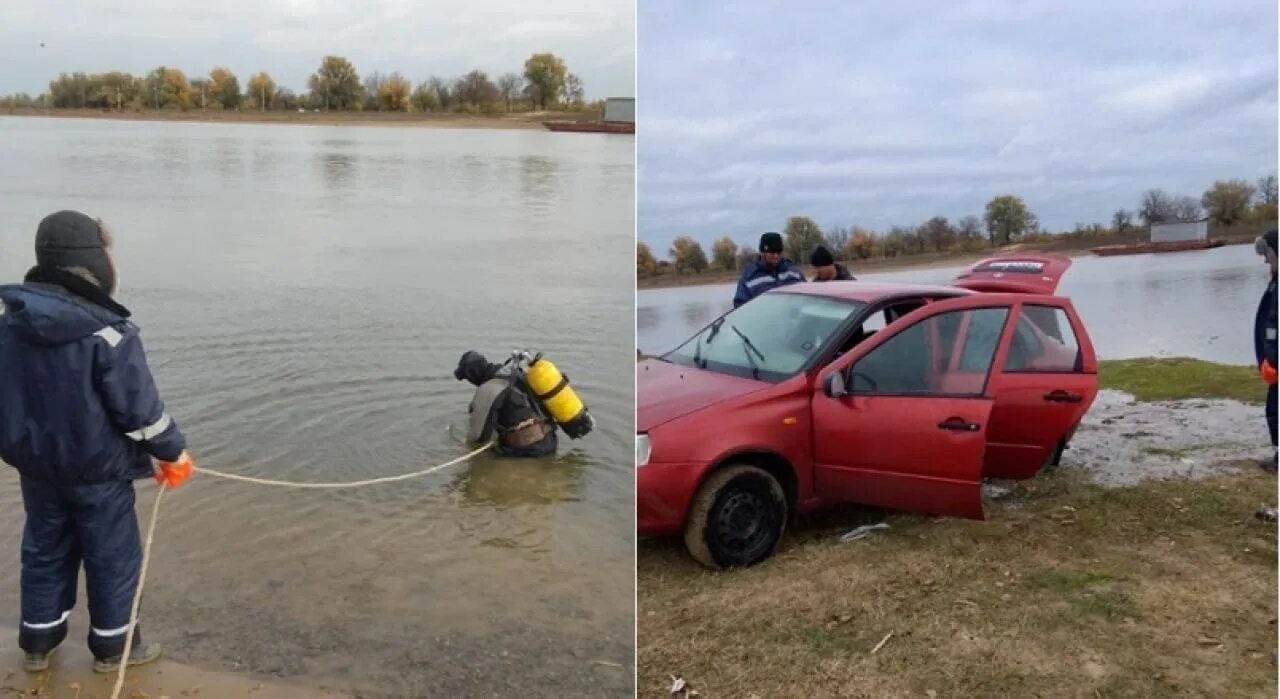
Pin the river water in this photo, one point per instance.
(304, 294)
(1191, 304)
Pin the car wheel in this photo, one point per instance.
(737, 518)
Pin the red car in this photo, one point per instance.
(897, 396)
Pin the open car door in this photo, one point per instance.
(1015, 273)
(901, 421)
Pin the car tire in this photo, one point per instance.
(733, 499)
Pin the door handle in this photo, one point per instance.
(959, 424)
(1061, 396)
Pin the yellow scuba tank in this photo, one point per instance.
(558, 397)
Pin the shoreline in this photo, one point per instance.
(1071, 249)
(521, 120)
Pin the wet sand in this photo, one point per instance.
(70, 676)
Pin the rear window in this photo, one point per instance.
(1043, 341)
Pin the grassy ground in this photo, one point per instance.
(521, 120)
(1068, 589)
(1173, 379)
(1237, 235)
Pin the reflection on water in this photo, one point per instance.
(498, 482)
(1196, 304)
(538, 180)
(337, 169)
(313, 308)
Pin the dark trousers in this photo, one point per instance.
(1271, 412)
(69, 525)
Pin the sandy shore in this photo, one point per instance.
(523, 120)
(70, 676)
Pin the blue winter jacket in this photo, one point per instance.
(757, 279)
(1264, 326)
(78, 403)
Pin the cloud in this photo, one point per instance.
(287, 38)
(879, 114)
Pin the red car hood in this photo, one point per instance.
(666, 391)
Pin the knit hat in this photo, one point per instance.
(821, 257)
(71, 241)
(1265, 245)
(771, 242)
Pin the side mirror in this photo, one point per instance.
(833, 386)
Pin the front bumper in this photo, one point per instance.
(663, 494)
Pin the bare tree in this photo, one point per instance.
(1122, 220)
(510, 85)
(1267, 189)
(1157, 207)
(1187, 209)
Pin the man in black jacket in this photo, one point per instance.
(825, 267)
(504, 408)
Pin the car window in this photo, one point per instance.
(770, 338)
(917, 361)
(1043, 341)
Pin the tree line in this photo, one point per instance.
(1006, 220)
(544, 83)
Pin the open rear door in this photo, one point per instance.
(1017, 273)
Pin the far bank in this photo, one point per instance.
(519, 120)
(1071, 246)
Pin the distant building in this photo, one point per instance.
(1180, 231)
(621, 109)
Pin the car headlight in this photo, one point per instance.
(643, 449)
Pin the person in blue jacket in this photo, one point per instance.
(771, 270)
(1264, 338)
(80, 420)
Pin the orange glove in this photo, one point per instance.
(177, 472)
(1268, 372)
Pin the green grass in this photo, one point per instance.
(1181, 378)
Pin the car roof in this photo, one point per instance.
(869, 292)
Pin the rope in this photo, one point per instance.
(155, 515)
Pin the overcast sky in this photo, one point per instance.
(287, 38)
(878, 114)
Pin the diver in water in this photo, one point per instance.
(505, 408)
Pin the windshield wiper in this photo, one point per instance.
(697, 348)
(748, 347)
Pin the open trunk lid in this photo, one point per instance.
(1017, 273)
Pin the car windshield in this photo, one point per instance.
(769, 339)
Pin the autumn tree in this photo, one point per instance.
(1267, 189)
(262, 91)
(425, 98)
(969, 233)
(336, 85)
(476, 89)
(861, 244)
(509, 86)
(687, 255)
(724, 254)
(1007, 218)
(746, 255)
(168, 89)
(802, 235)
(937, 233)
(394, 94)
(1121, 220)
(646, 263)
(546, 75)
(1228, 201)
(444, 95)
(835, 239)
(573, 90)
(224, 88)
(1157, 207)
(371, 91)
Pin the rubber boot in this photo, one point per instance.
(139, 655)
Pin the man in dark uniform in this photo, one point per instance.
(770, 271)
(503, 407)
(825, 267)
(1264, 338)
(80, 419)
